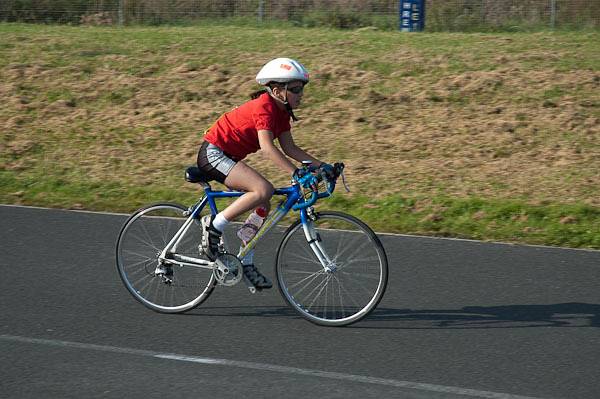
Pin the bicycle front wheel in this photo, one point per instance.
(349, 287)
(142, 239)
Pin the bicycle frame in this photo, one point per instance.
(294, 200)
(330, 267)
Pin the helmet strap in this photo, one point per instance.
(289, 110)
(288, 107)
(285, 102)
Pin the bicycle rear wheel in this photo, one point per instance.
(357, 278)
(140, 242)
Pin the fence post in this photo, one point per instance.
(261, 11)
(553, 13)
(121, 15)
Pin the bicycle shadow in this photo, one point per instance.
(244, 311)
(565, 315)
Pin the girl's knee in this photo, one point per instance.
(265, 192)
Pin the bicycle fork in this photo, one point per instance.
(314, 241)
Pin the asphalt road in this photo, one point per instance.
(460, 319)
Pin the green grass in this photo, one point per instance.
(511, 221)
(431, 126)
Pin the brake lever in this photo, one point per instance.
(324, 178)
(344, 182)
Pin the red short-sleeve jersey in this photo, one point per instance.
(236, 132)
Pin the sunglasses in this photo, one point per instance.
(296, 89)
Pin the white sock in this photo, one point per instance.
(220, 222)
(249, 258)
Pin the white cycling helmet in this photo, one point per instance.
(282, 70)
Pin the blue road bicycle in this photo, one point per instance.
(330, 267)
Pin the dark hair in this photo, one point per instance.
(258, 93)
(271, 84)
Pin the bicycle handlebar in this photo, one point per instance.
(330, 178)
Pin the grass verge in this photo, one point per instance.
(573, 226)
(486, 136)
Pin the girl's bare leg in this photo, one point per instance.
(258, 190)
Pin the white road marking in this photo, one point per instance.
(268, 367)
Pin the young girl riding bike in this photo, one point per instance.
(251, 127)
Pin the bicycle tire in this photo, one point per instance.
(141, 239)
(360, 278)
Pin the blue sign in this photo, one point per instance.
(412, 15)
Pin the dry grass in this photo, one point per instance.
(512, 116)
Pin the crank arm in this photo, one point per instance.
(249, 285)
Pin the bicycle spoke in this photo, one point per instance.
(355, 280)
(349, 295)
(143, 237)
(361, 260)
(300, 272)
(324, 284)
(325, 304)
(144, 261)
(357, 250)
(302, 261)
(147, 243)
(136, 272)
(315, 274)
(150, 278)
(341, 299)
(352, 289)
(309, 256)
(310, 294)
(164, 229)
(361, 275)
(309, 287)
(316, 287)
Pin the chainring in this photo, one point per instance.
(228, 270)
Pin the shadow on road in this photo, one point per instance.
(508, 316)
(469, 317)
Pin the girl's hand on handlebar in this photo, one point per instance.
(305, 178)
(331, 172)
(327, 171)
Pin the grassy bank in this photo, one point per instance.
(487, 136)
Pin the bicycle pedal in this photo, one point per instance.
(250, 286)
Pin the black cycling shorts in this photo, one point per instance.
(214, 163)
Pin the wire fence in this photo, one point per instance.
(441, 15)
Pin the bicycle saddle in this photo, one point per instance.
(194, 175)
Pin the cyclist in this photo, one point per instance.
(251, 127)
